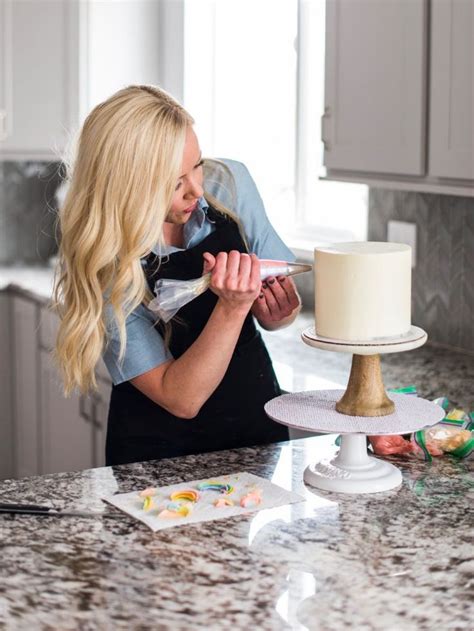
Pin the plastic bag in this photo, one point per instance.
(453, 435)
(173, 294)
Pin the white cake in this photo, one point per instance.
(362, 290)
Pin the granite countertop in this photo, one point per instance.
(34, 282)
(400, 560)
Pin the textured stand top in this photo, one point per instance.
(316, 412)
(400, 559)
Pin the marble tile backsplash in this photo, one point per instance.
(27, 211)
(443, 285)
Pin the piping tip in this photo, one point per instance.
(298, 268)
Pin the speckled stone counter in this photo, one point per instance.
(395, 561)
(33, 282)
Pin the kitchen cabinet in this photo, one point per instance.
(67, 434)
(60, 58)
(451, 89)
(6, 394)
(374, 86)
(5, 79)
(74, 428)
(382, 125)
(26, 434)
(42, 431)
(100, 413)
(35, 94)
(67, 438)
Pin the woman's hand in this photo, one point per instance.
(278, 303)
(235, 278)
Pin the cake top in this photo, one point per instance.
(364, 248)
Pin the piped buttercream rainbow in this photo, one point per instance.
(177, 509)
(214, 485)
(189, 495)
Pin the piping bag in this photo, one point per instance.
(172, 294)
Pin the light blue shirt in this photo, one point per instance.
(232, 185)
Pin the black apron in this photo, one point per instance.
(233, 416)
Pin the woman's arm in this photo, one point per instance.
(278, 303)
(278, 308)
(183, 385)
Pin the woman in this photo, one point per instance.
(136, 211)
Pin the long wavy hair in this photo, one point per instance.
(121, 183)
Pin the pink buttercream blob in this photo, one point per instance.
(147, 492)
(251, 499)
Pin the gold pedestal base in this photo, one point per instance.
(365, 394)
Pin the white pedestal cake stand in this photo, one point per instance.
(352, 470)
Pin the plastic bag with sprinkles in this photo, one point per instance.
(172, 294)
(454, 435)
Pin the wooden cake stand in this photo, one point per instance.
(364, 408)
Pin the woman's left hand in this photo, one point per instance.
(278, 302)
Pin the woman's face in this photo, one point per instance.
(189, 185)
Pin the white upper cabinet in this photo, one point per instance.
(375, 86)
(59, 58)
(35, 48)
(4, 71)
(383, 125)
(452, 85)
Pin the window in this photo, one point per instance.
(254, 82)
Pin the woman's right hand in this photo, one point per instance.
(235, 278)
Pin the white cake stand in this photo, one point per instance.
(352, 470)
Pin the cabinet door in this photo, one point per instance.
(37, 78)
(67, 430)
(25, 395)
(375, 86)
(66, 436)
(101, 411)
(6, 381)
(5, 69)
(452, 86)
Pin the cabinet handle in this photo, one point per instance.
(95, 400)
(82, 409)
(324, 119)
(3, 125)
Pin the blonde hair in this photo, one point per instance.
(121, 185)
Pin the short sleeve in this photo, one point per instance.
(263, 239)
(145, 347)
